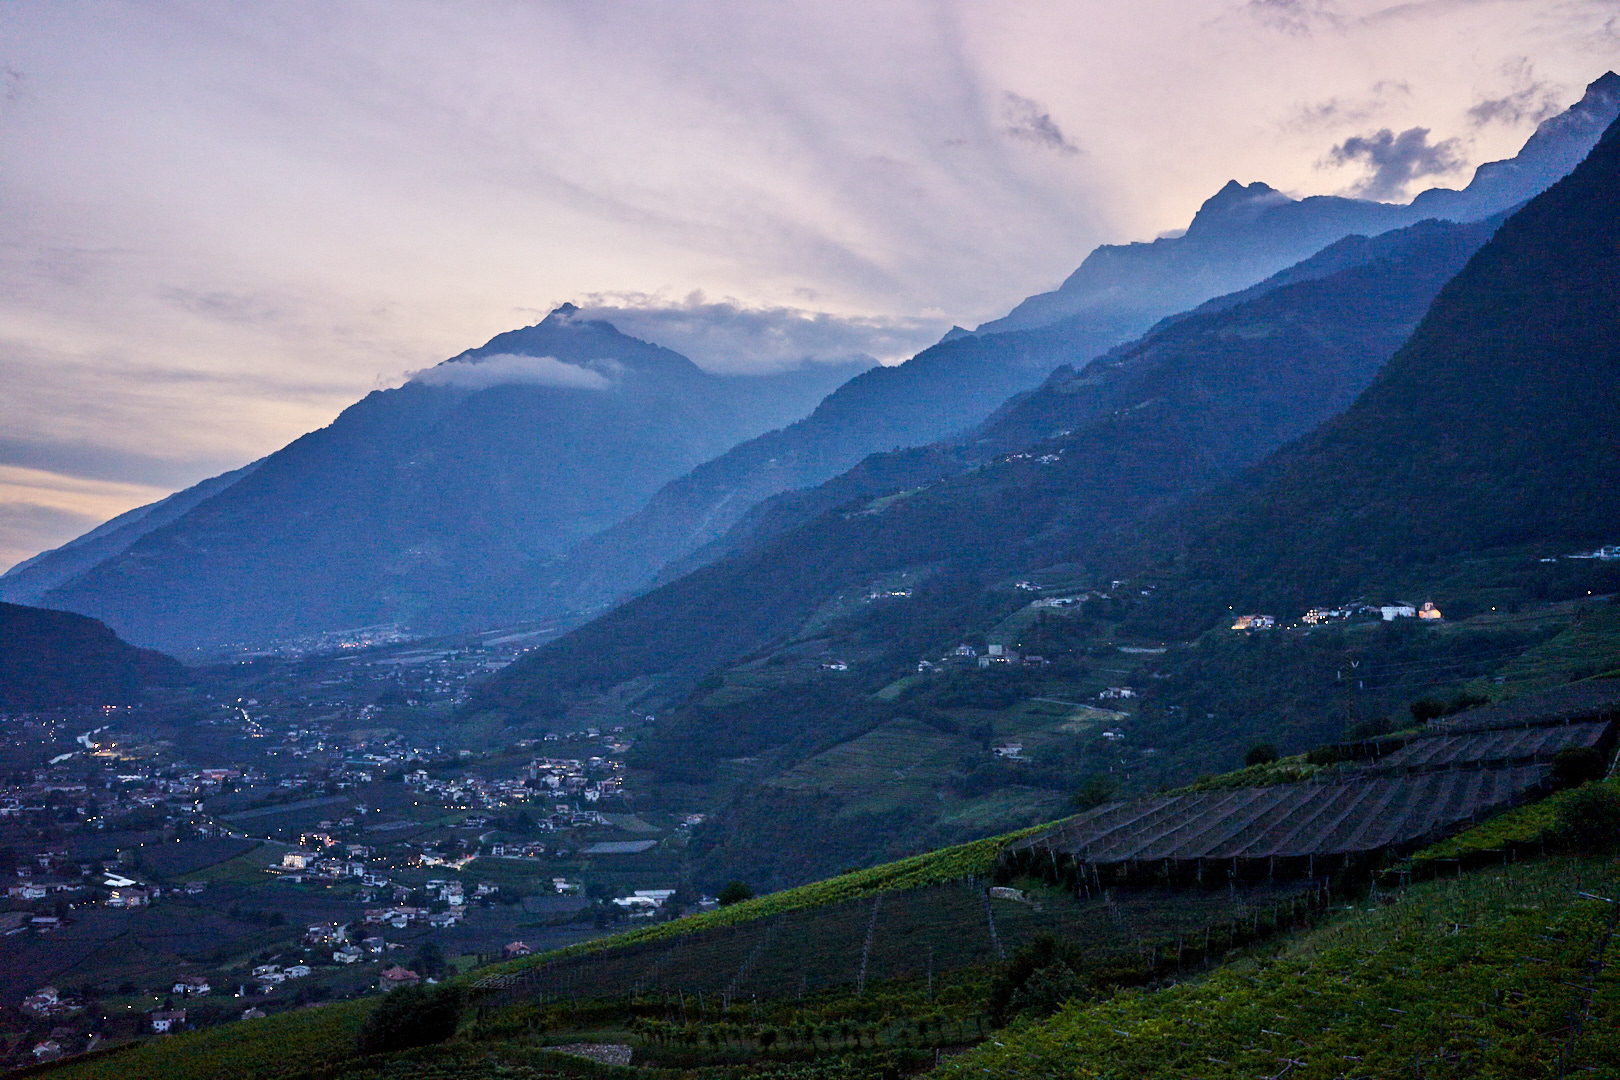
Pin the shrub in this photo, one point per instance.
(1098, 789)
(1589, 820)
(735, 893)
(1575, 765)
(1425, 709)
(411, 1016)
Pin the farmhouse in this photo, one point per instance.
(191, 986)
(395, 977)
(164, 1022)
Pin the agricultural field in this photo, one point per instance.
(1505, 973)
(1341, 818)
(904, 935)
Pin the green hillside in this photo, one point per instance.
(50, 659)
(1492, 428)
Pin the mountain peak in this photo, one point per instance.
(1236, 203)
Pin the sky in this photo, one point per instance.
(220, 224)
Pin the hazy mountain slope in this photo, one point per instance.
(1494, 426)
(416, 499)
(56, 659)
(1243, 234)
(940, 391)
(1237, 238)
(33, 578)
(1183, 408)
(1062, 402)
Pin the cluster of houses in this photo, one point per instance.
(47, 1003)
(1317, 616)
(554, 778)
(967, 656)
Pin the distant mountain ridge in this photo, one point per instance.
(415, 500)
(443, 505)
(32, 578)
(940, 392)
(1245, 233)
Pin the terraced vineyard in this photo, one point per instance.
(897, 935)
(1309, 821)
(1500, 744)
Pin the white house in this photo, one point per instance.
(172, 1020)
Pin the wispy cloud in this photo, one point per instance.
(1028, 121)
(730, 337)
(506, 369)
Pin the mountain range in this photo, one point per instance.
(1089, 452)
(415, 499)
(559, 469)
(1433, 421)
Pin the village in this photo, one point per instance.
(345, 855)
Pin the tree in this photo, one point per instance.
(1589, 821)
(735, 893)
(1261, 753)
(429, 958)
(411, 1016)
(1425, 709)
(1097, 789)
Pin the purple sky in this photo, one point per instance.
(222, 223)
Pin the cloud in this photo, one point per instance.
(1296, 17)
(504, 369)
(729, 337)
(1028, 120)
(1533, 104)
(1396, 159)
(1347, 110)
